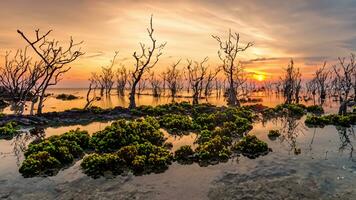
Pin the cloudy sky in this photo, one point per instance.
(309, 31)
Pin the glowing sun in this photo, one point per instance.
(259, 77)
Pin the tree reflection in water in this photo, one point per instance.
(347, 136)
(21, 141)
(291, 129)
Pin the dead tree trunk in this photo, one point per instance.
(144, 61)
(228, 51)
(55, 59)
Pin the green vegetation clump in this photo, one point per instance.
(214, 149)
(95, 165)
(185, 154)
(205, 121)
(176, 123)
(155, 158)
(9, 130)
(218, 130)
(48, 156)
(273, 134)
(199, 109)
(122, 133)
(137, 158)
(315, 109)
(240, 116)
(291, 109)
(332, 119)
(255, 107)
(97, 110)
(251, 147)
(66, 97)
(136, 146)
(172, 108)
(40, 163)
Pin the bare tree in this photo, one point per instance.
(342, 82)
(55, 58)
(218, 86)
(144, 61)
(174, 79)
(98, 78)
(278, 87)
(227, 53)
(321, 78)
(312, 87)
(297, 85)
(209, 79)
(121, 76)
(353, 66)
(196, 75)
(19, 77)
(291, 83)
(164, 80)
(90, 100)
(268, 86)
(155, 85)
(106, 78)
(108, 75)
(141, 86)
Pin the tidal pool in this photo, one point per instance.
(306, 163)
(323, 169)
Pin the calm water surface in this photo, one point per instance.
(324, 169)
(53, 104)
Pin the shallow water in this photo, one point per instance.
(52, 104)
(324, 169)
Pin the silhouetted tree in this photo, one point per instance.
(227, 53)
(144, 61)
(321, 78)
(196, 73)
(155, 85)
(55, 58)
(108, 75)
(291, 83)
(343, 76)
(209, 81)
(174, 79)
(121, 77)
(90, 100)
(19, 79)
(312, 87)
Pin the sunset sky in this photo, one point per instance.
(309, 31)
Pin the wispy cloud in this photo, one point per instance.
(281, 29)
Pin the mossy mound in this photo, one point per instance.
(96, 165)
(136, 146)
(333, 119)
(185, 154)
(214, 150)
(239, 116)
(139, 159)
(273, 134)
(123, 132)
(291, 109)
(66, 97)
(40, 163)
(48, 156)
(9, 130)
(176, 123)
(251, 147)
(315, 109)
(172, 108)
